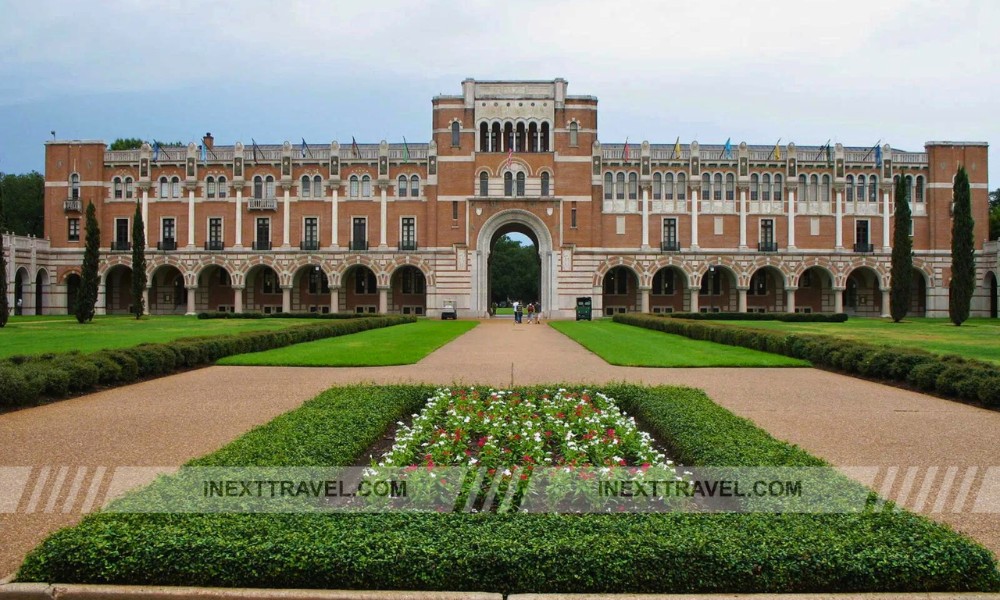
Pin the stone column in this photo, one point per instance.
(741, 299)
(145, 301)
(645, 219)
(333, 219)
(100, 307)
(644, 299)
(886, 242)
(838, 299)
(383, 300)
(145, 215)
(791, 220)
(239, 216)
(694, 220)
(839, 212)
(885, 303)
(694, 299)
(238, 298)
(743, 217)
(192, 293)
(286, 219)
(790, 299)
(383, 217)
(286, 298)
(190, 240)
(334, 298)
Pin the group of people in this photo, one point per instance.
(534, 310)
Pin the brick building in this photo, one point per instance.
(407, 227)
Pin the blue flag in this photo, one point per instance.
(204, 154)
(878, 156)
(156, 150)
(728, 150)
(304, 149)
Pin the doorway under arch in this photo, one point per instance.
(20, 297)
(41, 291)
(118, 290)
(73, 283)
(991, 286)
(497, 226)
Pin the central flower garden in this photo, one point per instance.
(516, 552)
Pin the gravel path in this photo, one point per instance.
(165, 422)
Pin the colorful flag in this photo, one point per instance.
(728, 150)
(677, 148)
(304, 149)
(354, 148)
(204, 154)
(777, 150)
(254, 148)
(878, 156)
(625, 151)
(406, 150)
(156, 151)
(510, 156)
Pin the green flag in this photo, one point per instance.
(406, 151)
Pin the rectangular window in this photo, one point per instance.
(74, 230)
(572, 215)
(263, 231)
(408, 233)
(269, 188)
(210, 188)
(168, 230)
(454, 210)
(222, 187)
(670, 234)
(121, 231)
(861, 237)
(215, 231)
(310, 230)
(359, 234)
(128, 188)
(767, 231)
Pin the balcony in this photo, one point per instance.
(214, 246)
(262, 245)
(407, 246)
(262, 204)
(670, 246)
(767, 246)
(359, 245)
(72, 205)
(309, 245)
(166, 245)
(121, 246)
(862, 247)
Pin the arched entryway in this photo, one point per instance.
(863, 296)
(310, 290)
(991, 288)
(620, 291)
(41, 291)
(360, 290)
(815, 292)
(497, 226)
(20, 292)
(72, 291)
(215, 291)
(918, 294)
(718, 290)
(118, 290)
(167, 294)
(263, 290)
(408, 291)
(669, 292)
(767, 290)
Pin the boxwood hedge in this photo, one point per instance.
(595, 553)
(768, 316)
(281, 315)
(25, 380)
(948, 375)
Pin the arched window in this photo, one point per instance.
(305, 187)
(366, 186)
(520, 184)
(754, 187)
(657, 186)
(919, 190)
(873, 189)
(824, 190)
(401, 186)
(730, 186)
(175, 187)
(317, 187)
(861, 188)
(508, 136)
(520, 138)
(484, 184)
(414, 186)
(620, 186)
(765, 188)
(908, 184)
(269, 186)
(210, 187)
(164, 188)
(456, 129)
(803, 187)
(545, 137)
(74, 186)
(355, 190)
(609, 186)
(128, 187)
(495, 138)
(545, 184)
(574, 133)
(681, 186)
(813, 187)
(484, 137)
(706, 186)
(222, 187)
(717, 187)
(849, 187)
(532, 137)
(776, 194)
(119, 191)
(633, 186)
(508, 184)
(668, 186)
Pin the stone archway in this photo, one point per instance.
(510, 221)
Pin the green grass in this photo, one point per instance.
(37, 335)
(505, 311)
(400, 345)
(976, 338)
(636, 347)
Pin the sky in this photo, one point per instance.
(854, 72)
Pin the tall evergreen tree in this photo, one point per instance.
(86, 298)
(4, 305)
(138, 262)
(963, 248)
(902, 256)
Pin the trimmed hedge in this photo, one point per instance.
(768, 316)
(948, 375)
(519, 553)
(25, 380)
(281, 315)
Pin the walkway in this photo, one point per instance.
(849, 422)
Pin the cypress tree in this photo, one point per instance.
(86, 298)
(138, 262)
(963, 248)
(902, 256)
(4, 306)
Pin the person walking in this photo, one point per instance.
(538, 312)
(531, 312)
(518, 311)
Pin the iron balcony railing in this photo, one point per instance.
(359, 245)
(767, 246)
(72, 206)
(166, 245)
(121, 246)
(670, 246)
(262, 204)
(863, 247)
(262, 245)
(214, 246)
(407, 246)
(309, 245)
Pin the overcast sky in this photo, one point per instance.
(903, 71)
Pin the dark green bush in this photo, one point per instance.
(768, 316)
(282, 315)
(924, 375)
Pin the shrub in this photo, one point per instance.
(925, 375)
(768, 316)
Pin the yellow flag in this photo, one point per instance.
(677, 148)
(777, 152)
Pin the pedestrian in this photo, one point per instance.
(531, 312)
(538, 312)
(518, 311)
(18, 311)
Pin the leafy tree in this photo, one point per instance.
(963, 248)
(514, 272)
(126, 144)
(138, 262)
(86, 298)
(995, 214)
(902, 256)
(25, 203)
(4, 307)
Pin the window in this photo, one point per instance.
(164, 188)
(908, 185)
(269, 282)
(765, 188)
(572, 214)
(574, 133)
(633, 186)
(508, 184)
(545, 184)
(364, 281)
(354, 191)
(258, 187)
(215, 233)
(663, 282)
(454, 210)
(116, 185)
(210, 187)
(861, 188)
(121, 231)
(609, 186)
(408, 233)
(366, 186)
(670, 234)
(861, 232)
(803, 188)
(305, 187)
(706, 186)
(128, 187)
(767, 232)
(484, 184)
(730, 187)
(545, 137)
(776, 195)
(359, 233)
(754, 187)
(168, 230)
(310, 231)
(616, 282)
(813, 187)
(318, 283)
(175, 187)
(717, 187)
(263, 232)
(73, 233)
(681, 186)
(222, 187)
(620, 186)
(668, 186)
(269, 186)
(317, 187)
(401, 186)
(456, 128)
(657, 186)
(758, 283)
(873, 189)
(484, 137)
(918, 192)
(849, 187)
(414, 186)
(824, 190)
(74, 184)
(520, 184)
(711, 282)
(412, 281)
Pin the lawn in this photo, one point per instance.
(399, 345)
(636, 347)
(976, 338)
(37, 335)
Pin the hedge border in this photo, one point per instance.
(621, 553)
(281, 315)
(27, 380)
(768, 316)
(956, 377)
